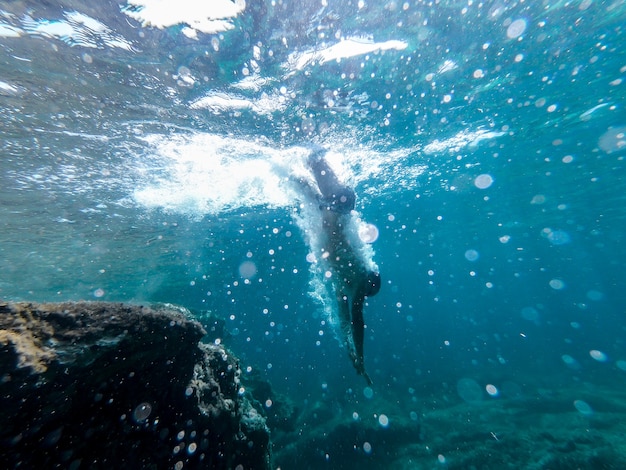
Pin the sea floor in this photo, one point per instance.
(579, 426)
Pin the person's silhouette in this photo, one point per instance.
(351, 278)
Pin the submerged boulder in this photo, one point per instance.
(103, 385)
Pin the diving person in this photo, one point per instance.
(353, 281)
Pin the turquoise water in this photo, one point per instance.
(144, 161)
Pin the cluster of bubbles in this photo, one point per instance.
(556, 237)
(613, 140)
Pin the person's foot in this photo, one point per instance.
(360, 369)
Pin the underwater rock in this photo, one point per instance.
(280, 412)
(103, 385)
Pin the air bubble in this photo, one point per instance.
(516, 28)
(247, 270)
(368, 233)
(583, 407)
(570, 362)
(469, 390)
(595, 295)
(598, 355)
(530, 314)
(98, 293)
(492, 390)
(471, 255)
(557, 284)
(142, 412)
(483, 181)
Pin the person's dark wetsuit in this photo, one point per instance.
(352, 279)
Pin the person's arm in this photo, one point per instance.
(337, 196)
(324, 175)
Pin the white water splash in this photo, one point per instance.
(200, 174)
(204, 174)
(207, 17)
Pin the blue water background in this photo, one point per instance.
(519, 284)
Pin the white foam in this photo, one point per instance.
(208, 17)
(8, 89)
(346, 48)
(76, 29)
(252, 83)
(8, 31)
(463, 139)
(219, 102)
(200, 174)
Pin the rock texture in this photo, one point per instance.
(100, 385)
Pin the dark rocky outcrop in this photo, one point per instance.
(279, 410)
(102, 385)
